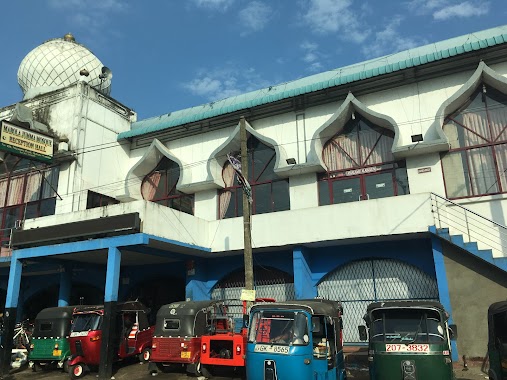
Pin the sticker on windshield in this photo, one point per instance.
(419, 348)
(271, 349)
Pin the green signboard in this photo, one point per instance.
(25, 142)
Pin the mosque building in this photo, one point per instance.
(383, 180)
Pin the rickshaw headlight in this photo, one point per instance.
(56, 346)
(184, 346)
(204, 347)
(154, 346)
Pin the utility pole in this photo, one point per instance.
(247, 232)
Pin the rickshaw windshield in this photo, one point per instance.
(407, 326)
(86, 322)
(279, 327)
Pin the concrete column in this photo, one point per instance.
(108, 324)
(303, 284)
(65, 286)
(443, 287)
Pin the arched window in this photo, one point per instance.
(477, 161)
(160, 187)
(269, 192)
(360, 165)
(27, 190)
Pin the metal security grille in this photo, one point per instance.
(268, 283)
(361, 282)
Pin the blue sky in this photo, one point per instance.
(167, 55)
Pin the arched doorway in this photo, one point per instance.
(157, 292)
(359, 283)
(268, 283)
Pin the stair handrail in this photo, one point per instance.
(470, 211)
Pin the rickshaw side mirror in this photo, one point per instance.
(246, 320)
(363, 335)
(453, 332)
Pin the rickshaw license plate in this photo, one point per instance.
(407, 348)
(271, 349)
(185, 355)
(57, 352)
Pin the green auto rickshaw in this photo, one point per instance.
(408, 340)
(497, 340)
(50, 346)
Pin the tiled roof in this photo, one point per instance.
(348, 74)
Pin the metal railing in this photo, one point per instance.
(474, 227)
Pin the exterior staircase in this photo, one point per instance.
(466, 229)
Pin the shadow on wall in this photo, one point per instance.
(80, 294)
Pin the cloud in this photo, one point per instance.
(217, 84)
(389, 40)
(444, 9)
(89, 14)
(311, 55)
(335, 16)
(215, 5)
(254, 17)
(465, 9)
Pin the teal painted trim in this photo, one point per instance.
(112, 275)
(14, 282)
(376, 67)
(303, 284)
(443, 286)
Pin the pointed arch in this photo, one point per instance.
(146, 164)
(474, 120)
(233, 144)
(339, 119)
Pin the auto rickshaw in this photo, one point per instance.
(177, 336)
(300, 339)
(49, 346)
(408, 340)
(224, 346)
(133, 335)
(497, 340)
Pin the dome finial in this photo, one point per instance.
(69, 37)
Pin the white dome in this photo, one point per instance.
(57, 64)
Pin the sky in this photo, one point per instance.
(168, 55)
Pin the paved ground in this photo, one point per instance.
(136, 371)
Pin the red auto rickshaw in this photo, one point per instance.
(178, 331)
(132, 335)
(225, 344)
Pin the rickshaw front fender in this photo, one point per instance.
(73, 360)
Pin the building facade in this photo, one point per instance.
(377, 181)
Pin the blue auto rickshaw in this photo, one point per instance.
(299, 339)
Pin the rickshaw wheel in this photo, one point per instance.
(207, 371)
(77, 371)
(34, 367)
(145, 355)
(66, 366)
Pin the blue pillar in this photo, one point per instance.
(443, 287)
(112, 275)
(197, 288)
(11, 303)
(65, 286)
(303, 284)
(14, 282)
(107, 345)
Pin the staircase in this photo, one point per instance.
(474, 233)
